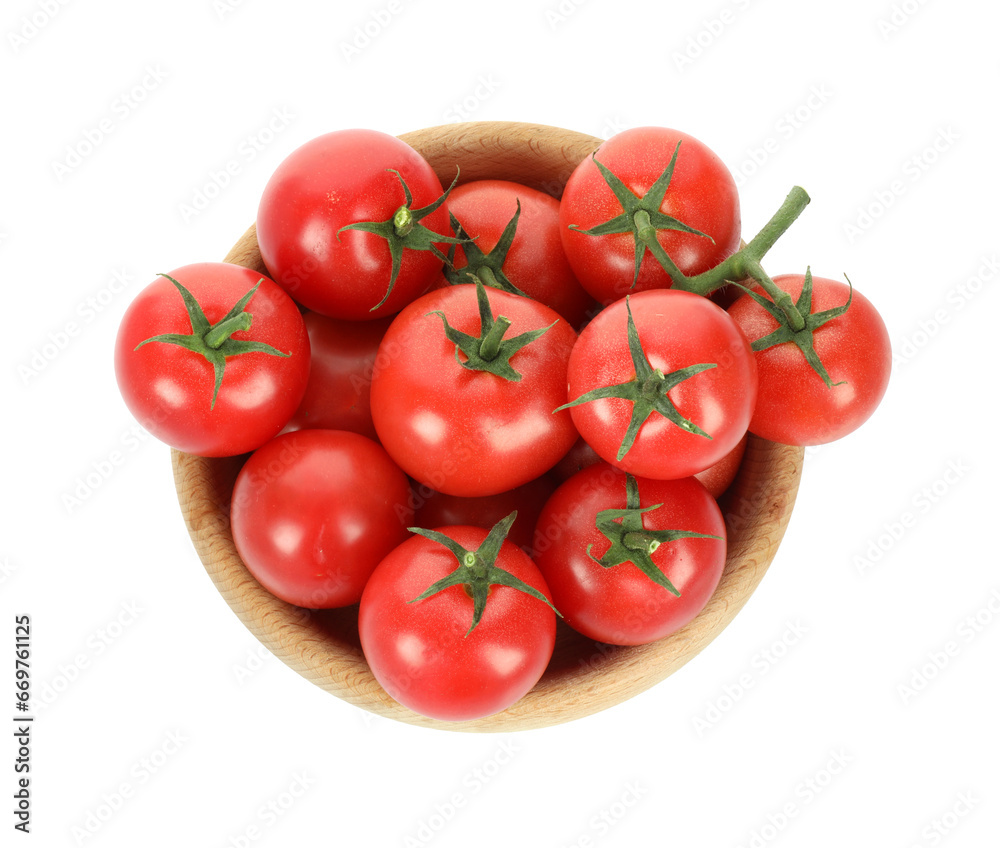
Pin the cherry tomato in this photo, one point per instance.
(471, 432)
(423, 651)
(534, 262)
(580, 456)
(436, 509)
(619, 603)
(334, 181)
(719, 477)
(794, 404)
(701, 195)
(314, 511)
(698, 368)
(220, 397)
(338, 394)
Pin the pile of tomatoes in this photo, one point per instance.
(471, 410)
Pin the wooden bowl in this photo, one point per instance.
(584, 677)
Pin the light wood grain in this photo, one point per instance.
(583, 677)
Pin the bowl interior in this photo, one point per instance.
(584, 677)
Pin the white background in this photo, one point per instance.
(852, 702)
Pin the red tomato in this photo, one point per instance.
(719, 477)
(677, 330)
(580, 456)
(535, 262)
(701, 195)
(333, 181)
(620, 604)
(313, 513)
(338, 394)
(794, 404)
(466, 432)
(436, 509)
(423, 653)
(175, 392)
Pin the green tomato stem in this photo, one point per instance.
(218, 334)
(638, 540)
(651, 385)
(488, 278)
(783, 300)
(490, 346)
(746, 261)
(402, 221)
(644, 228)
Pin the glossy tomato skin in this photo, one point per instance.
(620, 605)
(169, 388)
(719, 477)
(580, 456)
(436, 509)
(314, 511)
(536, 262)
(420, 653)
(702, 194)
(337, 179)
(338, 394)
(463, 432)
(677, 329)
(794, 405)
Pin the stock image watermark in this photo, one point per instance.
(33, 24)
(104, 468)
(462, 109)
(470, 785)
(376, 22)
(96, 817)
(786, 126)
(254, 659)
(939, 828)
(806, 791)
(218, 179)
(761, 664)
(7, 569)
(921, 504)
(712, 28)
(62, 337)
(224, 8)
(23, 723)
(601, 823)
(97, 643)
(92, 137)
(938, 659)
(898, 16)
(956, 299)
(559, 13)
(613, 125)
(869, 212)
(273, 811)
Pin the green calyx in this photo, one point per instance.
(797, 321)
(487, 267)
(477, 570)
(631, 542)
(798, 324)
(213, 341)
(489, 351)
(641, 216)
(403, 231)
(648, 391)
